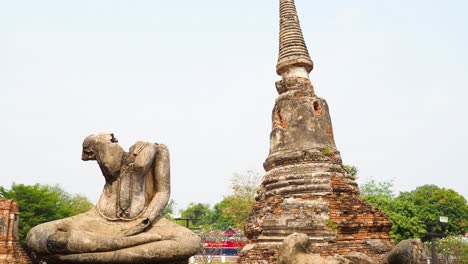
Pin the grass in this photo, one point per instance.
(327, 151)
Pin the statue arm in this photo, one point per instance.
(162, 184)
(145, 154)
(160, 157)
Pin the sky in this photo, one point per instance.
(199, 76)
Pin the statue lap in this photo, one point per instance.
(177, 243)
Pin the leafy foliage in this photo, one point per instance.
(431, 202)
(409, 211)
(327, 150)
(331, 225)
(232, 211)
(43, 203)
(452, 248)
(464, 255)
(352, 170)
(208, 219)
(372, 188)
(240, 202)
(200, 212)
(221, 220)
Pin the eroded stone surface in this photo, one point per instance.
(305, 189)
(406, 252)
(296, 248)
(126, 225)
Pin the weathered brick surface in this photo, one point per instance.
(11, 251)
(306, 189)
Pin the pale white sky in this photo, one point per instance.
(199, 76)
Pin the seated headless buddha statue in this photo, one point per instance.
(126, 225)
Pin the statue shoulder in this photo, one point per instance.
(139, 146)
(161, 146)
(147, 147)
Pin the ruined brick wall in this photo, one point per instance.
(337, 221)
(306, 189)
(11, 251)
(359, 226)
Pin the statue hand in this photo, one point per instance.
(139, 228)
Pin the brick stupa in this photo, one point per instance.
(11, 251)
(305, 188)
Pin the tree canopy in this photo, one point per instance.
(200, 213)
(452, 248)
(232, 211)
(431, 202)
(410, 211)
(237, 206)
(43, 203)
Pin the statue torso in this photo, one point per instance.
(127, 197)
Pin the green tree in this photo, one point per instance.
(382, 189)
(464, 255)
(232, 211)
(405, 218)
(452, 247)
(410, 210)
(43, 203)
(431, 202)
(199, 211)
(220, 220)
(402, 213)
(237, 206)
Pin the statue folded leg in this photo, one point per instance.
(76, 241)
(176, 243)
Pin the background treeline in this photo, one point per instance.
(409, 211)
(43, 203)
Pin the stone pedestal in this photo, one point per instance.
(306, 189)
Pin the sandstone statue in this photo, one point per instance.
(126, 225)
(406, 252)
(296, 249)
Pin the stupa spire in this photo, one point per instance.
(294, 59)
